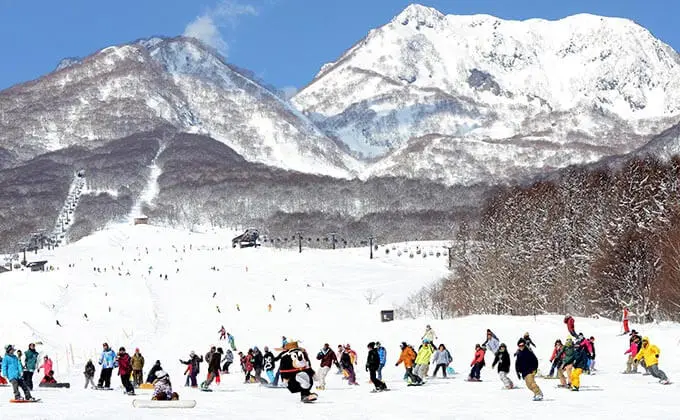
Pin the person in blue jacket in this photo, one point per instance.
(107, 361)
(11, 369)
(382, 354)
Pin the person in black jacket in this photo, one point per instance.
(194, 364)
(89, 374)
(502, 358)
(213, 368)
(258, 364)
(268, 364)
(152, 373)
(526, 365)
(372, 366)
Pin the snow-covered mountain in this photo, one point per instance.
(127, 89)
(432, 94)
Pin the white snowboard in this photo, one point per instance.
(163, 404)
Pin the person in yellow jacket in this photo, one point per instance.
(650, 354)
(423, 358)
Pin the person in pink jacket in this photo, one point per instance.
(631, 364)
(47, 365)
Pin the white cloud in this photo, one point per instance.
(207, 26)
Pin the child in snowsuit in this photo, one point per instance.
(89, 374)
(477, 363)
(502, 358)
(650, 354)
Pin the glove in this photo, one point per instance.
(396, 364)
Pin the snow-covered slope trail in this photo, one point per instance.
(167, 319)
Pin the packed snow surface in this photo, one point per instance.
(167, 319)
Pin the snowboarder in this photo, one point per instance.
(296, 370)
(223, 333)
(372, 366)
(46, 365)
(213, 367)
(238, 307)
(327, 357)
(477, 364)
(31, 362)
(564, 373)
(429, 334)
(580, 363)
(308, 307)
(591, 365)
(48, 378)
(124, 363)
(383, 358)
(89, 374)
(269, 307)
(650, 354)
(59, 325)
(162, 387)
(492, 342)
(230, 339)
(569, 320)
(441, 359)
(624, 319)
(258, 364)
(246, 365)
(348, 365)
(502, 359)
(268, 364)
(556, 358)
(107, 360)
(11, 369)
(228, 360)
(152, 373)
(526, 365)
(631, 363)
(408, 357)
(137, 368)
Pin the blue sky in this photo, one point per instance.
(284, 42)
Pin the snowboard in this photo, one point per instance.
(25, 401)
(375, 391)
(206, 390)
(146, 386)
(164, 404)
(416, 384)
(99, 388)
(309, 399)
(468, 380)
(57, 385)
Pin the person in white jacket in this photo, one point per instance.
(429, 334)
(492, 342)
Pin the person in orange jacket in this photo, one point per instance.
(477, 363)
(408, 357)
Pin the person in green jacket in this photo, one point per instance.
(423, 359)
(564, 373)
(31, 358)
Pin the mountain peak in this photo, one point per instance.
(420, 15)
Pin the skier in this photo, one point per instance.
(137, 368)
(502, 359)
(228, 360)
(223, 333)
(383, 358)
(268, 364)
(327, 357)
(372, 366)
(556, 358)
(152, 373)
(230, 339)
(11, 369)
(477, 364)
(624, 319)
(348, 365)
(631, 363)
(31, 362)
(193, 368)
(107, 360)
(89, 373)
(441, 359)
(429, 334)
(162, 387)
(408, 357)
(124, 363)
(569, 320)
(526, 365)
(492, 342)
(650, 354)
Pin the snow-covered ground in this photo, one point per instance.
(168, 318)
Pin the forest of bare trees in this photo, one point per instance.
(586, 243)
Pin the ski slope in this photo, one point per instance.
(167, 319)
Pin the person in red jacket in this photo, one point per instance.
(626, 328)
(477, 363)
(569, 320)
(124, 362)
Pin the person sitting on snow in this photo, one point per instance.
(162, 388)
(49, 378)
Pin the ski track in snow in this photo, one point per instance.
(167, 319)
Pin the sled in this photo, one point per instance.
(57, 385)
(146, 386)
(164, 404)
(25, 401)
